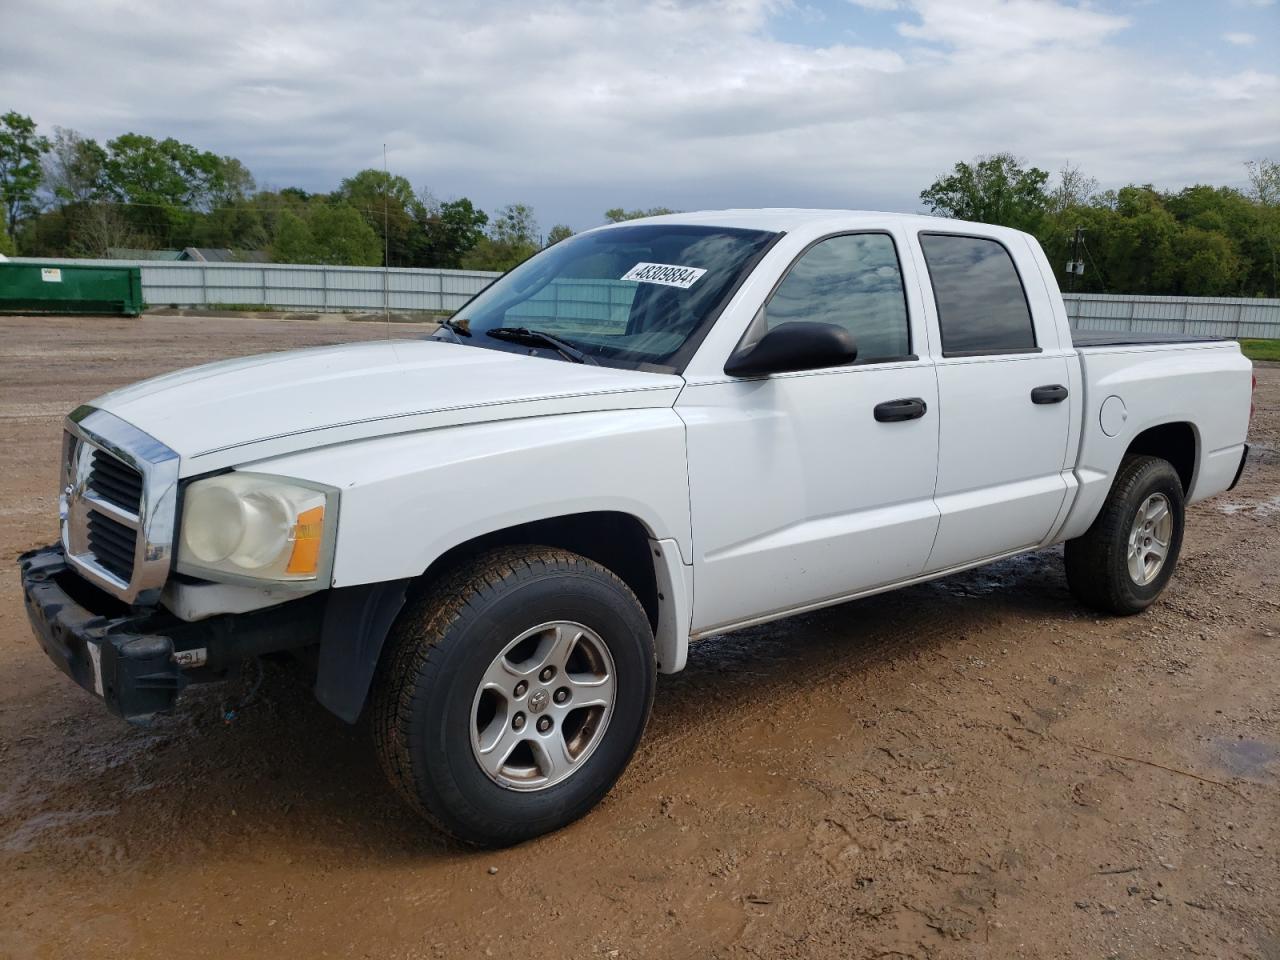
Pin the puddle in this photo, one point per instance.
(1252, 759)
(1253, 508)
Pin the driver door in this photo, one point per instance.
(809, 487)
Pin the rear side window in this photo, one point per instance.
(982, 307)
(854, 282)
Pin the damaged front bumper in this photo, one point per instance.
(139, 659)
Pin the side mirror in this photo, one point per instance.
(798, 345)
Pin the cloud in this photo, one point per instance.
(980, 26)
(1240, 39)
(576, 106)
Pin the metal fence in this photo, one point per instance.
(289, 287)
(1197, 316)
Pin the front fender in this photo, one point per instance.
(408, 499)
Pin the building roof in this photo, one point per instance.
(132, 253)
(223, 255)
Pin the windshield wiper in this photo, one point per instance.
(457, 329)
(539, 338)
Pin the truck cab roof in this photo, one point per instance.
(791, 219)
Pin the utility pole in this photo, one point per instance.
(386, 248)
(1075, 266)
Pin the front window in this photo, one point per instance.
(639, 296)
(852, 281)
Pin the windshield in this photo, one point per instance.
(640, 296)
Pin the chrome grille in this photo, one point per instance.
(118, 505)
(112, 544)
(115, 481)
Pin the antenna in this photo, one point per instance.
(386, 247)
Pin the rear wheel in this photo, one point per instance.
(1124, 560)
(514, 693)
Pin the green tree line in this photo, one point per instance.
(1201, 241)
(68, 195)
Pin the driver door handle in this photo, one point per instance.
(894, 411)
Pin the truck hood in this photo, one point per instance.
(232, 412)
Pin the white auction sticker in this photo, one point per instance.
(51, 274)
(665, 274)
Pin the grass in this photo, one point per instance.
(1261, 349)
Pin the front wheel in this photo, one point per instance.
(514, 694)
(1125, 559)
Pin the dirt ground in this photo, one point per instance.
(970, 768)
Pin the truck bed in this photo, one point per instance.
(1105, 338)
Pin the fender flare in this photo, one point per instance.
(357, 620)
(355, 626)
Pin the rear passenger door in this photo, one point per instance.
(1002, 386)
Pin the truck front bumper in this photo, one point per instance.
(110, 654)
(137, 660)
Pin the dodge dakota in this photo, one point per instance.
(488, 541)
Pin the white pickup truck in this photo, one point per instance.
(491, 539)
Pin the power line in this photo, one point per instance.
(1101, 276)
(249, 203)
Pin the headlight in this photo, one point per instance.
(246, 525)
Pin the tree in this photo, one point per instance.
(239, 225)
(994, 189)
(1264, 190)
(166, 185)
(6, 245)
(73, 170)
(232, 183)
(391, 208)
(512, 239)
(450, 231)
(328, 233)
(168, 173)
(20, 172)
(618, 215)
(515, 225)
(342, 237)
(1073, 189)
(294, 242)
(1207, 264)
(559, 232)
(95, 228)
(1264, 181)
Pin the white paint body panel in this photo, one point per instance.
(225, 414)
(407, 499)
(760, 496)
(1204, 384)
(801, 495)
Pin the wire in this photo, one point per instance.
(248, 203)
(1102, 276)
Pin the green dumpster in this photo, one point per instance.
(67, 288)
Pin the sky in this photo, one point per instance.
(576, 107)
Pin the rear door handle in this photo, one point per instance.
(1053, 393)
(908, 408)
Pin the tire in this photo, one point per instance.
(433, 715)
(1099, 568)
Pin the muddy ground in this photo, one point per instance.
(970, 768)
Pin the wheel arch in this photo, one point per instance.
(617, 541)
(1176, 441)
(358, 619)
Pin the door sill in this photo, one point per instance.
(857, 595)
